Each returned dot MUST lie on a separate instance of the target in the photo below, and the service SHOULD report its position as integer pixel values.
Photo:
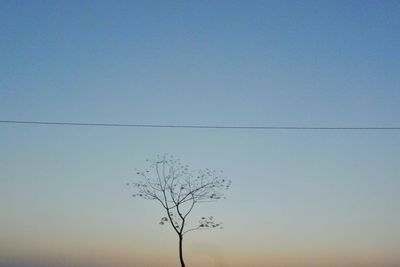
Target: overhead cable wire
(229, 127)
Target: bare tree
(179, 190)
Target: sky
(298, 198)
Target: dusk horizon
(285, 116)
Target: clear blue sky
(298, 198)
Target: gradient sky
(306, 198)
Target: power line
(59, 123)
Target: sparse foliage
(178, 190)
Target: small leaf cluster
(208, 222)
(163, 220)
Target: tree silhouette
(179, 190)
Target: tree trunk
(181, 251)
